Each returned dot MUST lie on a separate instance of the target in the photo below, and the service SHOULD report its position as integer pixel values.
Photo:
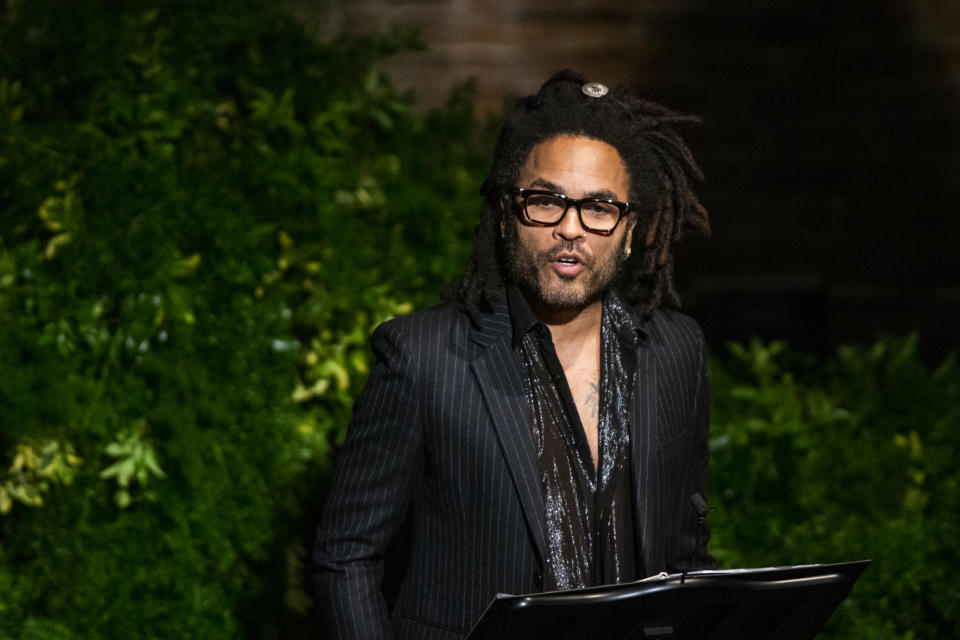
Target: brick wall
(831, 145)
(510, 47)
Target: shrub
(850, 459)
(204, 214)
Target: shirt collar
(627, 323)
(522, 317)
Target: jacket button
(538, 580)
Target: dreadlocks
(658, 161)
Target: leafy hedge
(203, 214)
(854, 458)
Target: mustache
(566, 246)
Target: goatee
(530, 272)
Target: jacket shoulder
(676, 333)
(426, 333)
(668, 321)
(441, 318)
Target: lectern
(773, 603)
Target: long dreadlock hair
(658, 161)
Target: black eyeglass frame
(577, 203)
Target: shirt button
(538, 580)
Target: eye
(599, 209)
(544, 202)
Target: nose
(569, 227)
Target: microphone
(700, 505)
(701, 508)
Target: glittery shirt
(589, 519)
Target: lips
(567, 263)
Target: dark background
(831, 140)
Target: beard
(531, 272)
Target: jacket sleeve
(692, 543)
(376, 467)
(701, 457)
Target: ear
(631, 223)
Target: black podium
(774, 603)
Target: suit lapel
(498, 371)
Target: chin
(567, 296)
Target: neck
(571, 325)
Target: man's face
(566, 267)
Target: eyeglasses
(596, 214)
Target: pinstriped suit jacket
(443, 429)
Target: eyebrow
(603, 194)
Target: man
(547, 430)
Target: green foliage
(856, 458)
(203, 214)
(35, 468)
